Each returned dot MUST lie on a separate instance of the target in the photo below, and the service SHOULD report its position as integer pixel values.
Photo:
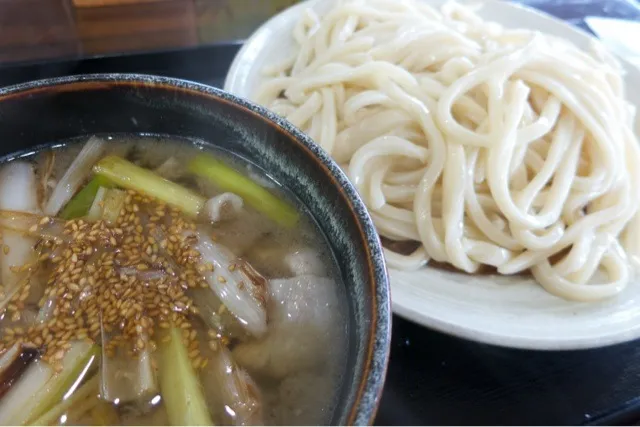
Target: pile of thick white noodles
(489, 146)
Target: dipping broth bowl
(40, 113)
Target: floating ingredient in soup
(229, 180)
(181, 389)
(130, 302)
(299, 326)
(235, 391)
(17, 192)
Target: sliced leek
(180, 387)
(127, 175)
(227, 179)
(81, 203)
(87, 391)
(40, 388)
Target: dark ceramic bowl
(47, 111)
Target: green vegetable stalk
(61, 384)
(107, 205)
(127, 175)
(88, 390)
(181, 390)
(79, 205)
(227, 179)
(40, 388)
(112, 204)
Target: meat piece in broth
(234, 390)
(285, 259)
(235, 234)
(170, 169)
(305, 261)
(302, 312)
(223, 207)
(297, 397)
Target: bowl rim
(378, 341)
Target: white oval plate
(508, 311)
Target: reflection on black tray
(442, 380)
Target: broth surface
(158, 270)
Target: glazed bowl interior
(46, 112)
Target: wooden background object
(99, 3)
(47, 29)
(34, 29)
(223, 20)
(165, 24)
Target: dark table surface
(434, 378)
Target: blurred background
(34, 30)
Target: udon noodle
(488, 146)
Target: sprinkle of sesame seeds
(92, 293)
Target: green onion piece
(113, 203)
(88, 390)
(127, 175)
(181, 390)
(95, 211)
(79, 205)
(227, 179)
(63, 383)
(126, 378)
(107, 205)
(40, 388)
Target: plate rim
(492, 337)
(510, 340)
